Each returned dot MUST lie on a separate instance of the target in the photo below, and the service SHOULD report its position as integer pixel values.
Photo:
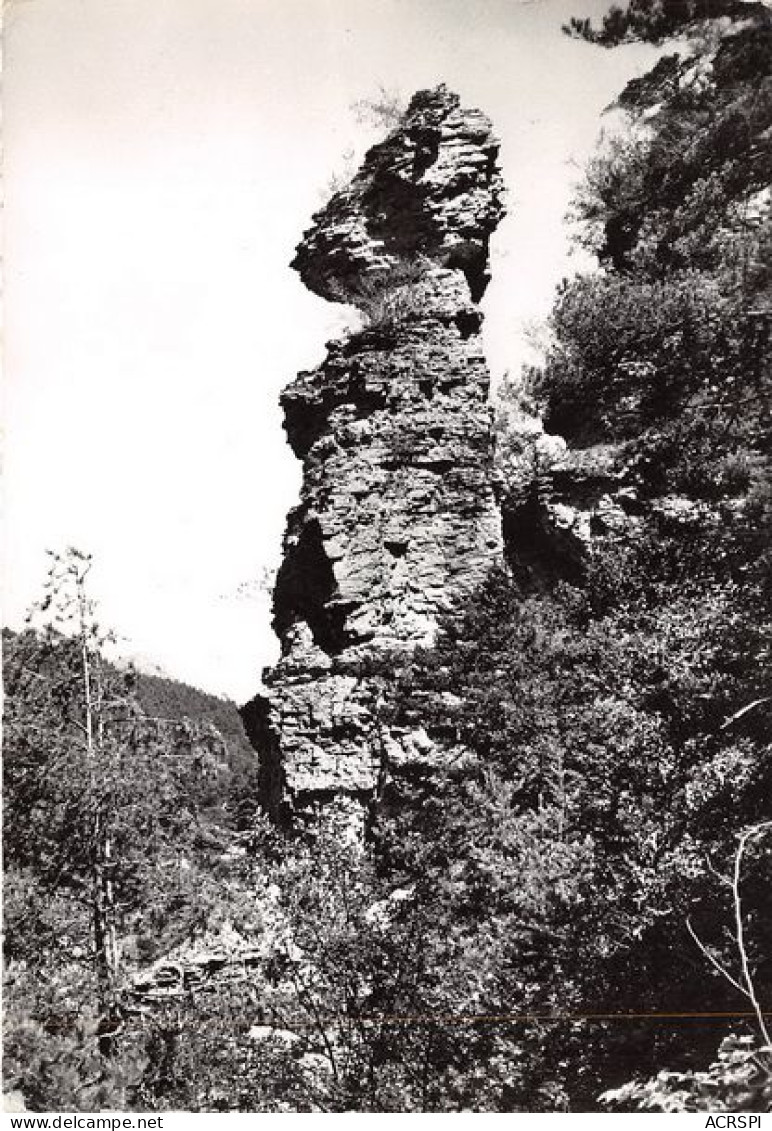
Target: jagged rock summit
(432, 188)
(397, 521)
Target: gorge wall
(397, 519)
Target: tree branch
(714, 962)
(739, 929)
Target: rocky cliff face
(397, 519)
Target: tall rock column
(397, 520)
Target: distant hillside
(168, 698)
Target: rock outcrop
(559, 503)
(397, 520)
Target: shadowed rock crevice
(306, 589)
(271, 783)
(397, 521)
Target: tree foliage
(653, 21)
(101, 824)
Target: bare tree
(744, 982)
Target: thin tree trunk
(747, 977)
(106, 953)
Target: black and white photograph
(387, 574)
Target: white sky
(162, 160)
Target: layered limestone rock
(397, 522)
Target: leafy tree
(99, 815)
(737, 1080)
(653, 21)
